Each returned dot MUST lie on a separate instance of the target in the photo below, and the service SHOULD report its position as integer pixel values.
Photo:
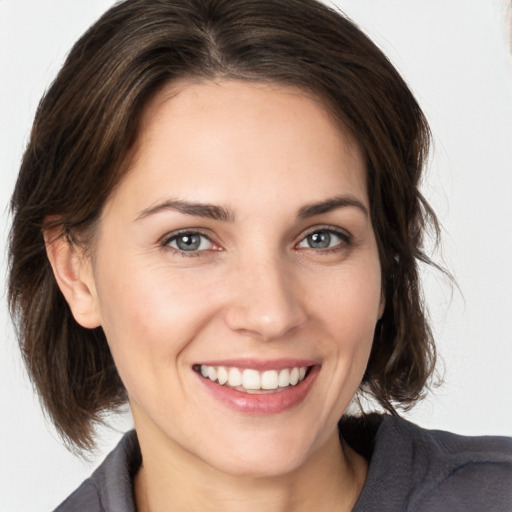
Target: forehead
(212, 140)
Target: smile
(249, 380)
(256, 387)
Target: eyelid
(173, 235)
(343, 234)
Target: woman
(218, 219)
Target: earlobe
(73, 272)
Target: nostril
(263, 319)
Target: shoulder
(422, 470)
(86, 499)
(463, 473)
(110, 486)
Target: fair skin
(239, 240)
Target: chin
(261, 456)
(260, 467)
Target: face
(236, 275)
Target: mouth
(252, 381)
(262, 390)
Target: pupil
(188, 242)
(319, 240)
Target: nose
(265, 302)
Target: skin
(255, 289)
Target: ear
(73, 272)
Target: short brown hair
(88, 120)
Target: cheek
(150, 317)
(349, 312)
(350, 304)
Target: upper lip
(261, 364)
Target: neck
(331, 479)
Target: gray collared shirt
(411, 469)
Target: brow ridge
(330, 204)
(221, 213)
(206, 210)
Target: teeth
(270, 379)
(235, 377)
(252, 380)
(212, 373)
(222, 375)
(284, 378)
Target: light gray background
(455, 55)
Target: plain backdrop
(456, 57)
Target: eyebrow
(209, 211)
(215, 212)
(330, 204)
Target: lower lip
(265, 403)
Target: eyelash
(167, 240)
(345, 237)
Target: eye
(189, 241)
(323, 239)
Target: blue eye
(189, 242)
(323, 239)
